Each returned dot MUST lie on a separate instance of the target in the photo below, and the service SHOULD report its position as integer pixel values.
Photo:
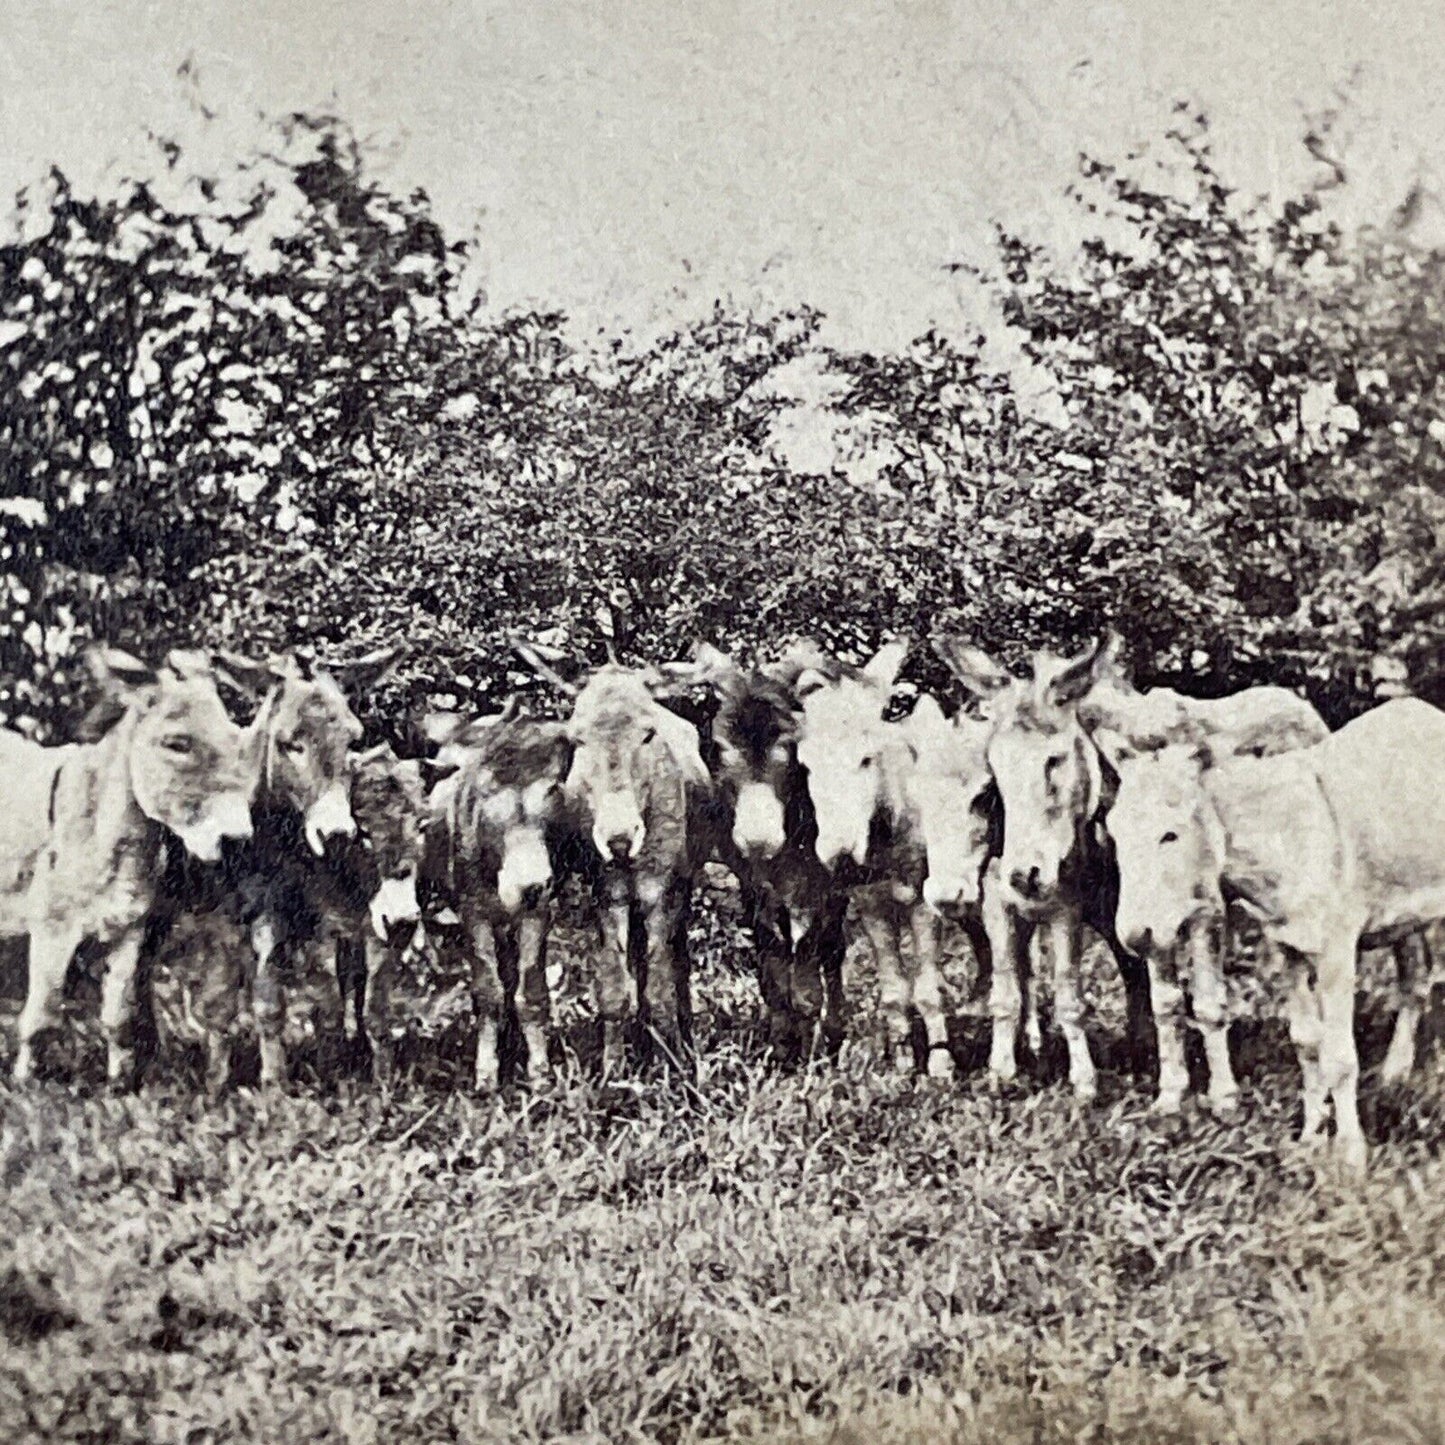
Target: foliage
(255, 408)
(1243, 466)
(203, 373)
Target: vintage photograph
(722, 721)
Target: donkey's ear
(559, 762)
(927, 712)
(1204, 753)
(809, 682)
(672, 679)
(716, 669)
(436, 770)
(1116, 747)
(1076, 676)
(190, 662)
(1113, 651)
(532, 656)
(440, 726)
(801, 657)
(712, 659)
(365, 672)
(119, 672)
(972, 666)
(883, 667)
(249, 677)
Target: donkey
(868, 838)
(365, 895)
(1056, 870)
(82, 854)
(955, 811)
(1128, 725)
(498, 823)
(345, 919)
(303, 733)
(643, 797)
(1335, 846)
(794, 906)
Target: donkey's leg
(268, 996)
(1412, 966)
(489, 1003)
(1059, 938)
(666, 982)
(1339, 1058)
(1140, 1008)
(1211, 1011)
(1031, 981)
(375, 1009)
(880, 925)
(117, 1007)
(1005, 1002)
(927, 987)
(775, 983)
(534, 998)
(1168, 999)
(218, 996)
(1306, 1032)
(332, 968)
(828, 940)
(613, 984)
(50, 952)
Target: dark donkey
(304, 734)
(1056, 871)
(643, 798)
(794, 906)
(365, 897)
(497, 826)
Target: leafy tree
(1243, 465)
(199, 386)
(254, 407)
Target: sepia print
(721, 721)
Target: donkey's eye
(866, 762)
(648, 736)
(178, 743)
(294, 746)
(1170, 837)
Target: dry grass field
(823, 1255)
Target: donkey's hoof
(940, 1067)
(1223, 1106)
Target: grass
(830, 1254)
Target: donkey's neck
(97, 821)
(897, 848)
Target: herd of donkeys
(1050, 802)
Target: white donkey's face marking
(949, 789)
(841, 745)
(1168, 843)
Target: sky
(630, 161)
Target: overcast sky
(626, 159)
